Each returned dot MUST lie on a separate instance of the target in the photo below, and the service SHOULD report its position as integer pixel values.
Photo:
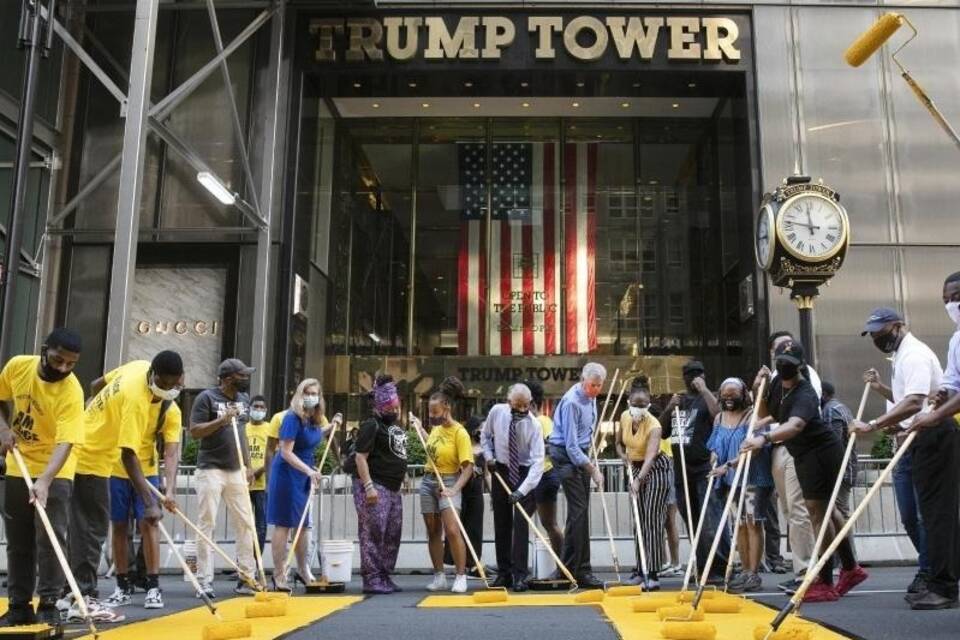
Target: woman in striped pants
(638, 444)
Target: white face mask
(953, 310)
(310, 402)
(164, 394)
(638, 412)
(257, 416)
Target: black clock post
(802, 236)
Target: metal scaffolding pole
(131, 180)
(29, 40)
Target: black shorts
(548, 487)
(817, 471)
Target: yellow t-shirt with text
(257, 445)
(170, 431)
(116, 419)
(44, 414)
(449, 447)
(546, 425)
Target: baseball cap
(693, 366)
(879, 318)
(231, 366)
(790, 352)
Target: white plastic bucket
(337, 560)
(543, 563)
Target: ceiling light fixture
(525, 105)
(356, 85)
(676, 105)
(373, 336)
(217, 188)
(524, 84)
(375, 105)
(468, 84)
(425, 105)
(412, 85)
(476, 105)
(575, 105)
(625, 105)
(581, 84)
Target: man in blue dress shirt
(573, 423)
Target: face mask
(310, 402)
(638, 413)
(519, 415)
(241, 385)
(733, 404)
(389, 417)
(787, 370)
(257, 416)
(887, 343)
(953, 310)
(164, 394)
(48, 373)
(436, 421)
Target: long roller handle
(695, 542)
(249, 510)
(55, 543)
(686, 495)
(186, 569)
(636, 522)
(851, 442)
(603, 411)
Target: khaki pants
(212, 485)
(800, 529)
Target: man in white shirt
(512, 442)
(916, 375)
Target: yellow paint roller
(651, 605)
(625, 590)
(585, 597)
(227, 630)
(789, 631)
(688, 631)
(488, 597)
(722, 605)
(271, 609)
(680, 611)
(688, 596)
(270, 596)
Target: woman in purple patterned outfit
(381, 456)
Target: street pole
(804, 295)
(29, 39)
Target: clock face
(811, 226)
(764, 237)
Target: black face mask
(241, 385)
(436, 421)
(389, 418)
(888, 342)
(519, 415)
(48, 373)
(787, 370)
(733, 404)
(688, 380)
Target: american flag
(519, 312)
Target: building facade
(493, 191)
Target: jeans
(89, 525)
(258, 499)
(909, 507)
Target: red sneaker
(849, 579)
(821, 592)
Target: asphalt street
(874, 611)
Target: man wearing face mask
(258, 431)
(690, 427)
(117, 422)
(218, 469)
(512, 442)
(164, 424)
(817, 452)
(43, 417)
(916, 374)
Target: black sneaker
(589, 581)
(790, 586)
(47, 612)
(919, 584)
(931, 601)
(18, 615)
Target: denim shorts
(124, 499)
(430, 500)
(548, 487)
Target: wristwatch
(873, 424)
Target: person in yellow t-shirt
(450, 449)
(549, 486)
(164, 423)
(115, 424)
(258, 433)
(43, 417)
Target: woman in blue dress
(292, 472)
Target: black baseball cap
(879, 318)
(790, 352)
(231, 366)
(693, 366)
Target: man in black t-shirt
(690, 427)
(817, 452)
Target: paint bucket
(543, 563)
(337, 560)
(189, 551)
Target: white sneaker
(64, 603)
(154, 599)
(98, 612)
(439, 583)
(459, 584)
(119, 598)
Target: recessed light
(356, 85)
(599, 135)
(476, 105)
(525, 105)
(375, 105)
(524, 84)
(412, 85)
(676, 105)
(425, 105)
(575, 105)
(573, 126)
(625, 104)
(581, 84)
(692, 85)
(636, 84)
(468, 84)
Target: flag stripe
(549, 250)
